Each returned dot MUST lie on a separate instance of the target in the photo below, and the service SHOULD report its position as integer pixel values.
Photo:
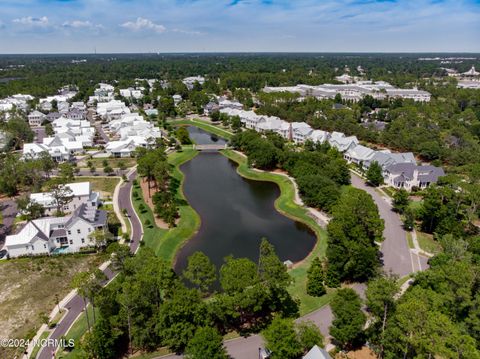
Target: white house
(342, 143)
(81, 194)
(190, 81)
(112, 110)
(317, 353)
(358, 154)
(125, 148)
(36, 118)
(318, 136)
(300, 131)
(52, 235)
(386, 158)
(34, 150)
(409, 175)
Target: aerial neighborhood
(214, 208)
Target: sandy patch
(148, 200)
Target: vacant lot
(104, 185)
(28, 287)
(112, 162)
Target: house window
(45, 246)
(78, 231)
(83, 240)
(71, 242)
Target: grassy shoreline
(166, 242)
(205, 126)
(286, 205)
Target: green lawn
(205, 126)
(427, 243)
(76, 332)
(286, 205)
(410, 240)
(36, 348)
(164, 242)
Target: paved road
(75, 305)
(9, 211)
(397, 256)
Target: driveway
(397, 257)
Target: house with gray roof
(52, 235)
(409, 175)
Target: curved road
(75, 305)
(397, 256)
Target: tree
(381, 303)
(101, 342)
(355, 228)
(315, 279)
(31, 210)
(61, 194)
(201, 272)
(206, 343)
(179, 317)
(183, 136)
(49, 130)
(47, 164)
(349, 320)
(400, 200)
(108, 170)
(309, 335)
(238, 274)
(281, 339)
(100, 237)
(66, 172)
(270, 268)
(374, 174)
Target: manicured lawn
(36, 348)
(164, 242)
(427, 243)
(410, 240)
(286, 205)
(104, 185)
(28, 288)
(206, 126)
(76, 332)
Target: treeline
(148, 306)
(154, 167)
(44, 75)
(319, 171)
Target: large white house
(409, 175)
(52, 235)
(354, 91)
(36, 118)
(81, 194)
(190, 81)
(112, 110)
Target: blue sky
(73, 26)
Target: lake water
(235, 212)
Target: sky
(126, 26)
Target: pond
(236, 213)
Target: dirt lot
(28, 287)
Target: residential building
(385, 158)
(409, 175)
(52, 235)
(317, 353)
(76, 114)
(358, 154)
(34, 150)
(177, 99)
(81, 194)
(36, 118)
(112, 110)
(190, 81)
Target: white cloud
(144, 24)
(32, 21)
(187, 32)
(79, 24)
